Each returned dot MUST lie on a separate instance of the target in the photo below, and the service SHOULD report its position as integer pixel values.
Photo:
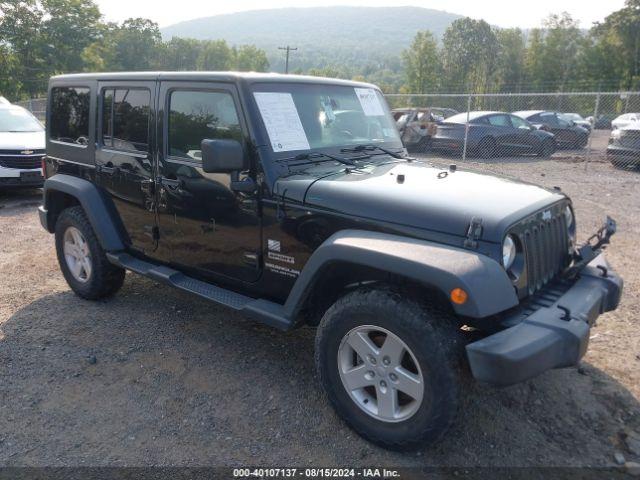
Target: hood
(429, 198)
(22, 141)
(632, 126)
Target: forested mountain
(401, 49)
(355, 36)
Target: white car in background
(22, 148)
(624, 120)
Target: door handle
(171, 184)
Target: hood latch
(474, 232)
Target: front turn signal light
(459, 296)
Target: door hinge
(474, 232)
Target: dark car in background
(624, 146)
(492, 134)
(601, 122)
(418, 125)
(568, 134)
(577, 119)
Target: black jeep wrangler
(292, 200)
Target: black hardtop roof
(248, 77)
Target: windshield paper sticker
(370, 102)
(282, 121)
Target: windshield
(302, 117)
(17, 119)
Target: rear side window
(195, 116)
(70, 115)
(125, 118)
(499, 121)
(550, 119)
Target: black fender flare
(443, 267)
(97, 209)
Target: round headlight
(508, 252)
(568, 216)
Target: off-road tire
(106, 279)
(429, 331)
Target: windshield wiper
(317, 157)
(370, 147)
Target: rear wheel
(82, 260)
(424, 144)
(547, 148)
(581, 141)
(487, 148)
(389, 367)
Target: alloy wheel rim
(380, 373)
(77, 255)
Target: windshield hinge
(474, 232)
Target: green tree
(215, 55)
(21, 31)
(135, 45)
(68, 28)
(562, 45)
(9, 88)
(249, 58)
(469, 48)
(509, 73)
(534, 60)
(422, 63)
(179, 54)
(619, 35)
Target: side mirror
(222, 156)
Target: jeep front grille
(546, 250)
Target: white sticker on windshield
(370, 102)
(282, 121)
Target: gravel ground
(157, 377)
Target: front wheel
(390, 367)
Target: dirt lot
(156, 377)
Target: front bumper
(447, 144)
(552, 337)
(623, 153)
(14, 178)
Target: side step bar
(261, 310)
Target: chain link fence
(586, 127)
(37, 106)
(589, 127)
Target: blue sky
(505, 13)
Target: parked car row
(492, 133)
